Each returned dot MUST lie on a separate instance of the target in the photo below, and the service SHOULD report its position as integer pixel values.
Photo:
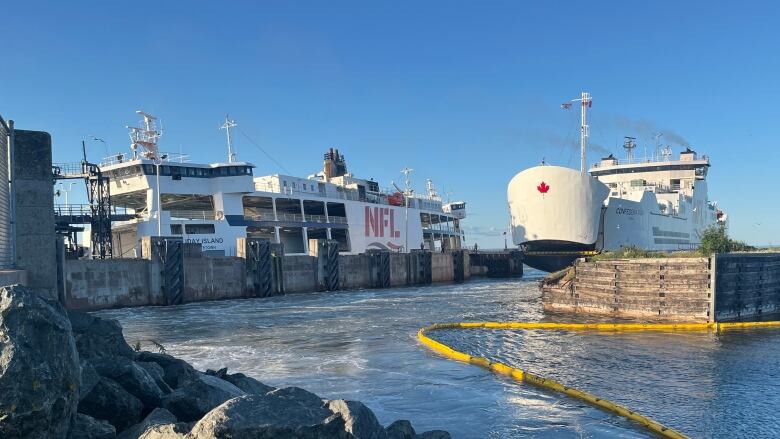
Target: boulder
(110, 402)
(87, 427)
(197, 396)
(290, 412)
(157, 373)
(359, 420)
(167, 431)
(39, 366)
(89, 377)
(158, 416)
(400, 429)
(174, 369)
(248, 384)
(97, 337)
(433, 434)
(132, 377)
(217, 373)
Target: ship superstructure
(652, 203)
(213, 204)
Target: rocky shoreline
(72, 375)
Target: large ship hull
(555, 214)
(559, 214)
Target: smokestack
(327, 166)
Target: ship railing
(297, 217)
(124, 157)
(86, 210)
(644, 160)
(206, 215)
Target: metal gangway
(98, 213)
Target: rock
(132, 377)
(87, 427)
(196, 397)
(248, 384)
(97, 337)
(400, 429)
(156, 371)
(433, 434)
(167, 431)
(291, 412)
(359, 420)
(39, 366)
(174, 370)
(89, 377)
(158, 416)
(217, 373)
(110, 402)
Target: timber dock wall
(725, 287)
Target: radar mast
(146, 137)
(227, 126)
(587, 102)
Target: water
(361, 345)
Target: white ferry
(213, 204)
(559, 214)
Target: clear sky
(466, 93)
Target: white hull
(558, 213)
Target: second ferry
(213, 204)
(559, 214)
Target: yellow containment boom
(548, 383)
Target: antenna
(407, 179)
(666, 153)
(146, 136)
(587, 102)
(657, 137)
(629, 146)
(227, 126)
(431, 190)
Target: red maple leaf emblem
(543, 187)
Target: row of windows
(193, 229)
(306, 187)
(182, 171)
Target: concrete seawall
(99, 284)
(725, 287)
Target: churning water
(361, 345)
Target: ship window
(175, 229)
(285, 183)
(232, 170)
(165, 170)
(199, 229)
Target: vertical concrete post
(167, 252)
(60, 246)
(712, 312)
(259, 276)
(327, 254)
(33, 204)
(277, 268)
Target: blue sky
(466, 93)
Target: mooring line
(548, 383)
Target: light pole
(407, 172)
(70, 188)
(157, 162)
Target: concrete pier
(261, 269)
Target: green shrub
(716, 240)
